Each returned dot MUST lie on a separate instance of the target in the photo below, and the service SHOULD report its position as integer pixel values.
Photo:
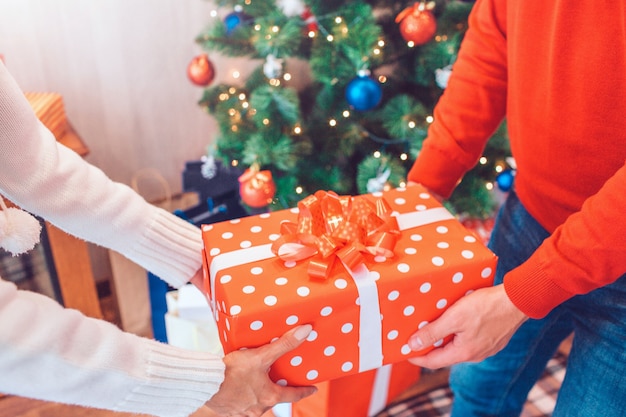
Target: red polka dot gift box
(364, 271)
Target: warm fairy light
(346, 113)
(297, 130)
(232, 90)
(234, 163)
(266, 122)
(245, 104)
(299, 190)
(242, 96)
(268, 37)
(234, 128)
(376, 154)
(213, 13)
(402, 184)
(404, 156)
(275, 29)
(381, 43)
(412, 124)
(330, 38)
(236, 74)
(252, 112)
(338, 19)
(376, 51)
(482, 160)
(489, 186)
(275, 82)
(257, 27)
(382, 79)
(499, 168)
(332, 122)
(410, 44)
(232, 112)
(344, 30)
(429, 119)
(224, 97)
(287, 76)
(311, 34)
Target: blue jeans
(595, 381)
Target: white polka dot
(375, 275)
(405, 349)
(442, 303)
(469, 292)
(442, 229)
(303, 291)
(274, 236)
(424, 196)
(347, 366)
(270, 300)
(281, 281)
(341, 283)
(400, 201)
(256, 229)
(422, 324)
(214, 251)
(329, 351)
(207, 227)
(282, 382)
(392, 335)
(296, 361)
(377, 194)
(264, 215)
(245, 244)
(235, 221)
(290, 264)
(357, 301)
(294, 210)
(249, 289)
(408, 310)
(256, 325)
(425, 287)
(469, 239)
(225, 279)
(404, 268)
(291, 320)
(437, 261)
(227, 235)
(312, 375)
(234, 310)
(393, 295)
(347, 328)
(467, 254)
(312, 336)
(443, 245)
(458, 277)
(416, 238)
(486, 273)
(257, 270)
(420, 207)
(379, 258)
(326, 311)
(410, 251)
(438, 343)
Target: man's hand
(247, 389)
(480, 324)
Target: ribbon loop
(330, 226)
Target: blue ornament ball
(363, 93)
(235, 19)
(505, 180)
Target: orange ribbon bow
(331, 226)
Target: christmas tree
(376, 70)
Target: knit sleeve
(584, 253)
(472, 105)
(56, 354)
(50, 180)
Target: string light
(332, 122)
(489, 186)
(404, 156)
(482, 160)
(287, 76)
(299, 190)
(234, 163)
(297, 130)
(330, 38)
(346, 113)
(236, 74)
(377, 154)
(429, 119)
(311, 34)
(213, 13)
(412, 124)
(266, 122)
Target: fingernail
(415, 343)
(303, 332)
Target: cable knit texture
(51, 353)
(559, 80)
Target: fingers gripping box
(365, 272)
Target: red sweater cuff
(532, 291)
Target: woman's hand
(247, 389)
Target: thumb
(430, 335)
(287, 342)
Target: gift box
(396, 261)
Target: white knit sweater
(51, 353)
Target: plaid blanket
(438, 401)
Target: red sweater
(564, 97)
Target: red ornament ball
(257, 188)
(200, 70)
(417, 24)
